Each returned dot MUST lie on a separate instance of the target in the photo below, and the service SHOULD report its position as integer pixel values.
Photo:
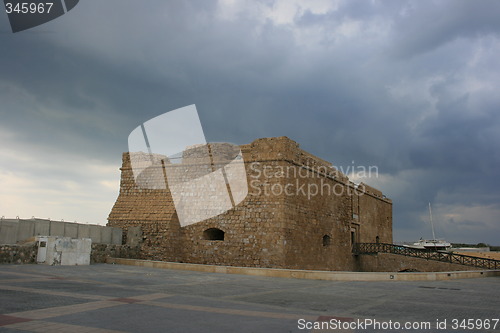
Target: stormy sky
(410, 87)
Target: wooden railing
(444, 256)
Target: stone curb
(309, 274)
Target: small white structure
(54, 250)
(42, 249)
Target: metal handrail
(450, 257)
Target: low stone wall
(495, 255)
(388, 262)
(27, 253)
(18, 254)
(309, 274)
(101, 252)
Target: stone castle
(300, 212)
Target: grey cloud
(94, 82)
(427, 25)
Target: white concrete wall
(67, 251)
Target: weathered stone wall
(298, 214)
(101, 252)
(18, 254)
(388, 262)
(374, 216)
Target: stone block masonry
(102, 252)
(18, 254)
(388, 262)
(300, 213)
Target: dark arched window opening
(377, 239)
(326, 240)
(213, 234)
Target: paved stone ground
(114, 298)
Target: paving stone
(260, 304)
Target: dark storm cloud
(403, 85)
(425, 26)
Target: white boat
(431, 244)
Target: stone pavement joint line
(27, 275)
(51, 327)
(125, 300)
(54, 293)
(23, 280)
(236, 312)
(151, 297)
(153, 300)
(65, 310)
(27, 320)
(30, 320)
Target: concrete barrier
(8, 232)
(56, 228)
(95, 233)
(71, 230)
(307, 274)
(25, 229)
(106, 235)
(83, 231)
(65, 251)
(42, 228)
(16, 230)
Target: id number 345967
(28, 7)
(474, 324)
